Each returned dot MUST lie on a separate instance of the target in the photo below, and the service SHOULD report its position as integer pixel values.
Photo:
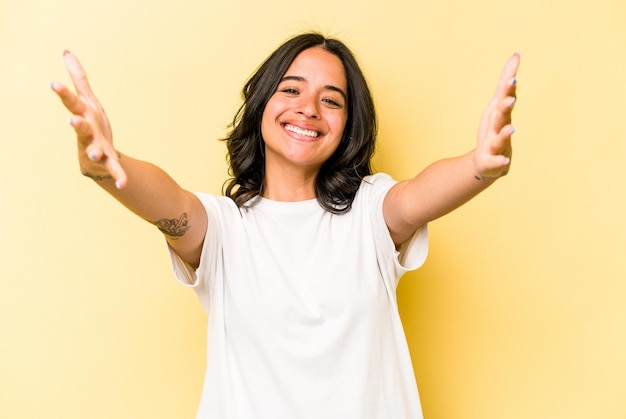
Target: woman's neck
(289, 185)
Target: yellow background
(520, 310)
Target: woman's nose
(308, 107)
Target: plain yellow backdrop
(520, 309)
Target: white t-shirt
(303, 320)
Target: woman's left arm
(449, 183)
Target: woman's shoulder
(377, 181)
(374, 188)
(377, 178)
(218, 204)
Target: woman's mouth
(302, 131)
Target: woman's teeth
(301, 131)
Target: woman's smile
(301, 131)
(304, 120)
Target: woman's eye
(332, 102)
(290, 91)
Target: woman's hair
(340, 176)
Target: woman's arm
(447, 184)
(142, 187)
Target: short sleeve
(201, 279)
(412, 254)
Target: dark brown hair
(340, 176)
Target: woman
(297, 266)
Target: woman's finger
(115, 169)
(508, 81)
(77, 74)
(82, 127)
(501, 143)
(69, 99)
(506, 105)
(497, 166)
(94, 152)
(106, 164)
(502, 113)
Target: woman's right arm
(142, 187)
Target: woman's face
(304, 120)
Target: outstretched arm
(142, 187)
(447, 184)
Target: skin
(303, 123)
(142, 187)
(449, 183)
(303, 100)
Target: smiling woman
(297, 266)
(303, 124)
(339, 177)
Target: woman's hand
(492, 157)
(96, 155)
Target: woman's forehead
(318, 65)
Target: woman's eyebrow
(328, 87)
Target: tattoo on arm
(97, 178)
(175, 228)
